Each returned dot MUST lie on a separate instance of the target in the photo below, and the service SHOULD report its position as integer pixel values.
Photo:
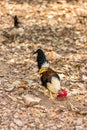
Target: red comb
(62, 94)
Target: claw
(44, 90)
(51, 96)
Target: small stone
(53, 115)
(18, 122)
(24, 127)
(41, 126)
(11, 128)
(31, 100)
(47, 128)
(12, 61)
(16, 115)
(37, 120)
(18, 47)
(79, 121)
(32, 124)
(79, 128)
(54, 128)
(84, 77)
(85, 100)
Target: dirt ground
(60, 29)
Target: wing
(51, 80)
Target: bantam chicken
(17, 30)
(49, 78)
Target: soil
(59, 28)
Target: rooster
(49, 78)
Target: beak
(34, 52)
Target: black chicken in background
(49, 78)
(17, 29)
(16, 21)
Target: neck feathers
(45, 64)
(41, 59)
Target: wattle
(62, 94)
